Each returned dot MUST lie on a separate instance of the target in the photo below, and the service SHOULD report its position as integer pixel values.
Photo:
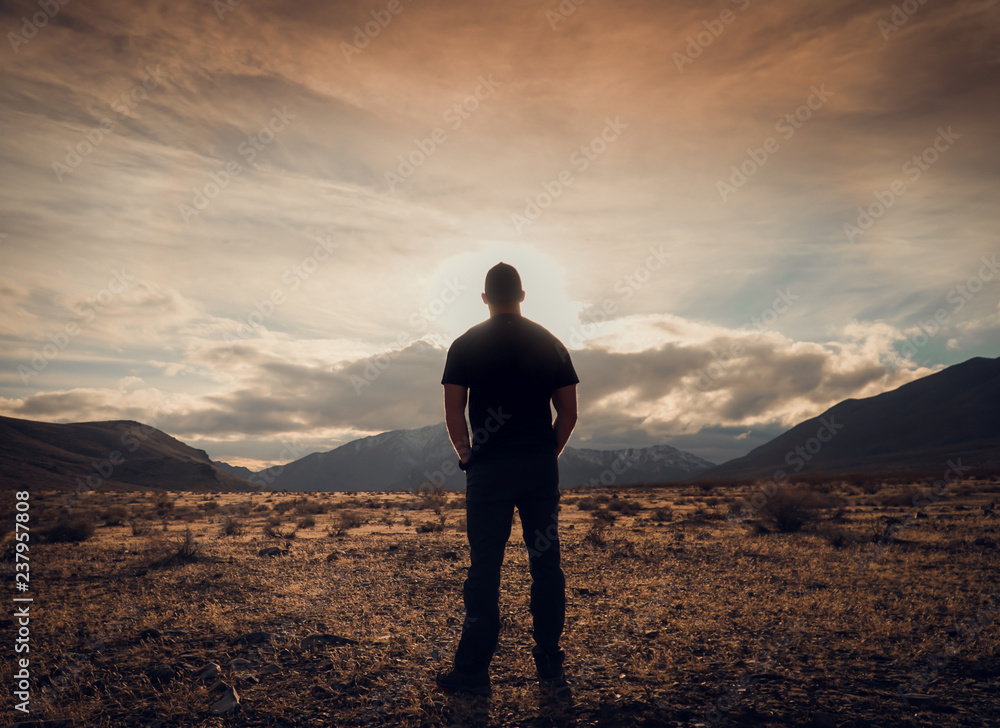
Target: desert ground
(842, 603)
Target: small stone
(269, 551)
(271, 669)
(822, 720)
(230, 700)
(318, 691)
(313, 641)
(239, 664)
(150, 634)
(252, 638)
(159, 674)
(209, 672)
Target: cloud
(697, 379)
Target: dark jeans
(489, 524)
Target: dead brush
(182, 551)
(272, 528)
(788, 510)
(598, 534)
(233, 526)
(140, 527)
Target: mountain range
(946, 416)
(951, 416)
(407, 459)
(115, 454)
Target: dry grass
(676, 614)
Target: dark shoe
(461, 681)
(549, 668)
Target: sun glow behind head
(456, 286)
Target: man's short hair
(503, 284)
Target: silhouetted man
(508, 369)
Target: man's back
(511, 366)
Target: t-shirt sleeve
(455, 366)
(565, 374)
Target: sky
(258, 225)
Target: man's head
(503, 286)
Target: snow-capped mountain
(407, 459)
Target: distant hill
(954, 413)
(115, 454)
(403, 459)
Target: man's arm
(564, 400)
(455, 398)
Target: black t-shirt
(511, 366)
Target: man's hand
(564, 400)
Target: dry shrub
(114, 516)
(903, 498)
(587, 503)
(140, 528)
(209, 506)
(69, 531)
(624, 506)
(836, 536)
(307, 522)
(662, 515)
(598, 534)
(283, 506)
(272, 527)
(431, 527)
(310, 507)
(163, 503)
(348, 520)
(433, 498)
(789, 509)
(233, 526)
(186, 549)
(603, 515)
